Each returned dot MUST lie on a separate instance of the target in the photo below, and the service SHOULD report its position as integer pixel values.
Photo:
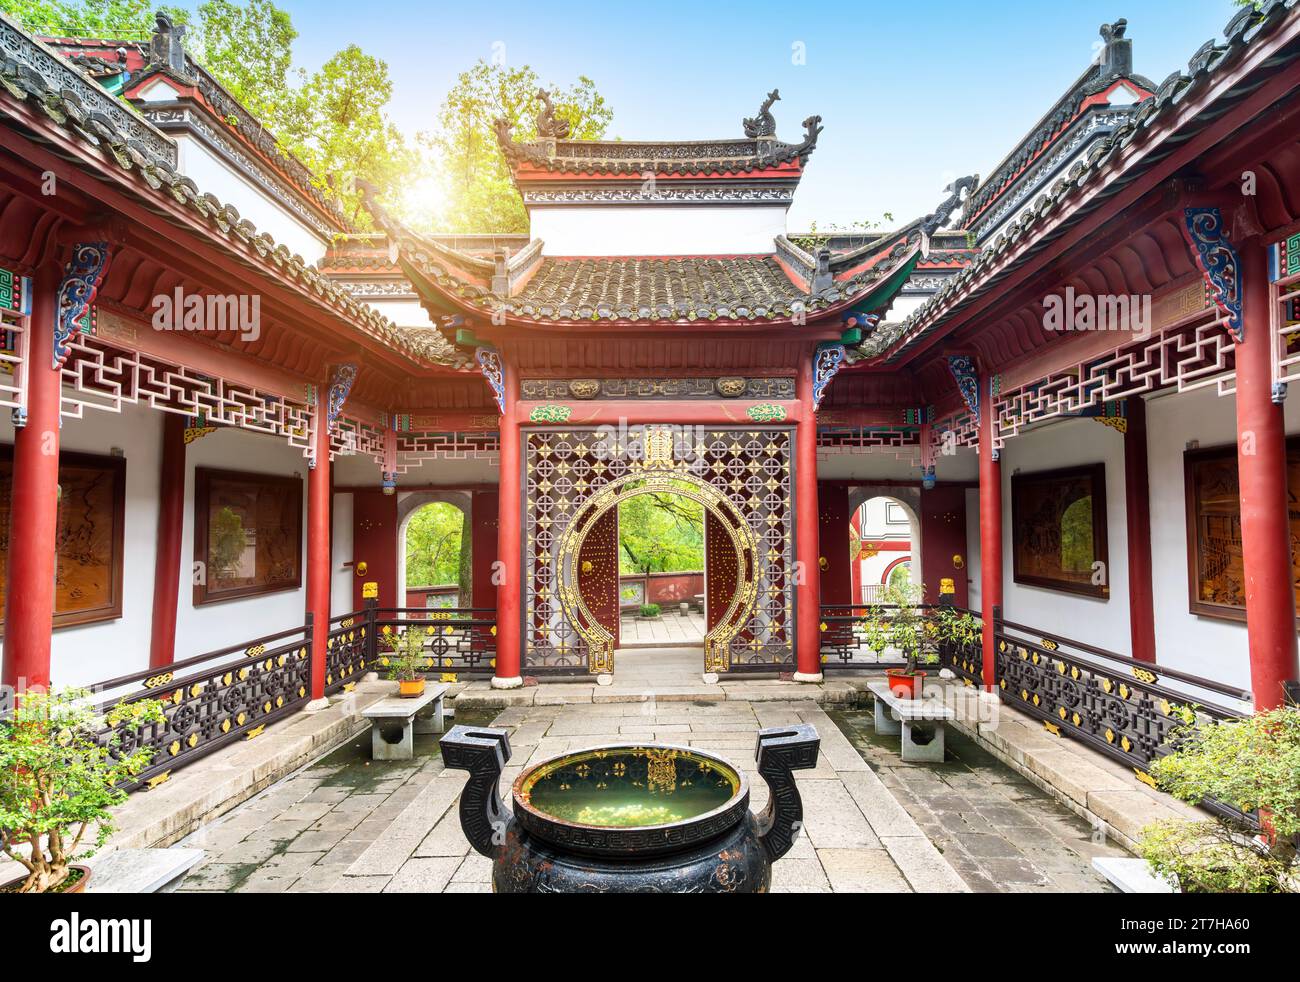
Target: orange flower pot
(903, 685)
(410, 688)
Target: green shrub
(61, 763)
(1252, 764)
(651, 610)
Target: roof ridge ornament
(763, 126)
(550, 126)
(1116, 55)
(958, 191)
(166, 46)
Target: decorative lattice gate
(742, 477)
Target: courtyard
(516, 468)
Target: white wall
(214, 176)
(658, 230)
(90, 653)
(1205, 646)
(1067, 443)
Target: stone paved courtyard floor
(672, 627)
(999, 831)
(345, 823)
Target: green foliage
(436, 544)
(1252, 764)
(333, 120)
(406, 658)
(122, 20)
(660, 533)
(1076, 536)
(875, 632)
(910, 630)
(476, 190)
(57, 781)
(249, 50)
(817, 238)
(651, 610)
(956, 627)
(1211, 857)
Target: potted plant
(407, 661)
(956, 628)
(912, 633)
(1252, 764)
(61, 767)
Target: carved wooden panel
(92, 498)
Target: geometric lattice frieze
(413, 449)
(900, 442)
(13, 360)
(1189, 357)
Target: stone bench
(396, 720)
(920, 722)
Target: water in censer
(626, 787)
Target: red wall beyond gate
(833, 522)
(943, 538)
(374, 542)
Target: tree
(469, 167)
(125, 20)
(434, 539)
(339, 127)
(332, 120)
(660, 533)
(249, 50)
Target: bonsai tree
(910, 631)
(407, 660)
(1252, 764)
(61, 767)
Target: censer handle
(483, 752)
(782, 750)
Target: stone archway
(909, 500)
(573, 605)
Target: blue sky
(911, 94)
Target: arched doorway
(435, 550)
(884, 543)
(593, 519)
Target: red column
(509, 544)
(1261, 463)
(318, 551)
(990, 530)
(1137, 509)
(808, 656)
(167, 559)
(34, 501)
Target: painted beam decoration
(340, 387)
(1218, 262)
(81, 279)
(15, 293)
(489, 363)
(1284, 258)
(968, 381)
(826, 365)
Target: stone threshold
(1100, 790)
(480, 694)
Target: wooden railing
(234, 693)
(213, 699)
(1129, 710)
